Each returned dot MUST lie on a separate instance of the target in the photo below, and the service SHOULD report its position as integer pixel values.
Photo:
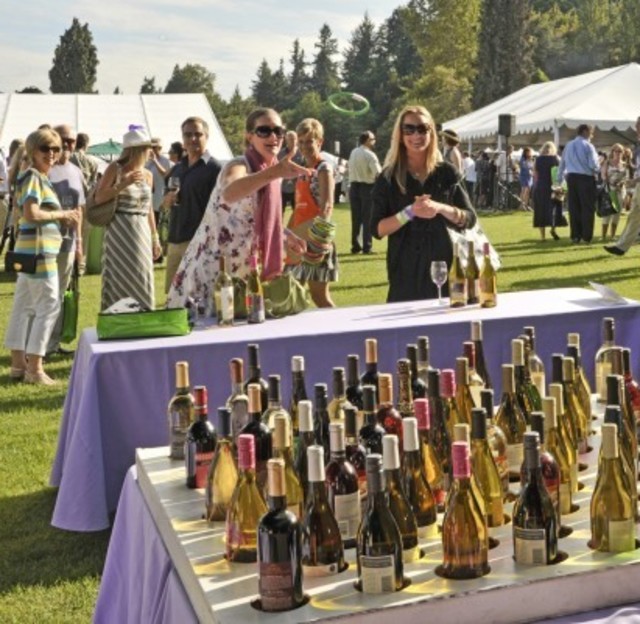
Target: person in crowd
(197, 172)
(579, 166)
(484, 183)
(131, 240)
(470, 175)
(85, 162)
(543, 207)
(416, 198)
(614, 174)
(526, 177)
(289, 186)
(36, 302)
(159, 166)
(176, 152)
(364, 168)
(627, 157)
(506, 167)
(243, 217)
(68, 182)
(314, 198)
(451, 152)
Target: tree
(359, 59)
(261, 87)
(30, 89)
(325, 79)
(75, 61)
(298, 78)
(192, 78)
(117, 91)
(148, 86)
(232, 118)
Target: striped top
(45, 238)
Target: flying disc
(352, 104)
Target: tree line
(450, 56)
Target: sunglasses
(409, 129)
(264, 132)
(45, 149)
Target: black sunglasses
(409, 129)
(264, 132)
(45, 149)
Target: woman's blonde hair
(135, 156)
(38, 138)
(617, 147)
(19, 163)
(310, 126)
(395, 162)
(548, 149)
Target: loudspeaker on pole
(506, 125)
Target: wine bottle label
(622, 535)
(275, 585)
(574, 478)
(347, 512)
(203, 462)
(320, 570)
(458, 291)
(411, 555)
(565, 498)
(603, 369)
(378, 574)
(428, 531)
(530, 546)
(239, 416)
(176, 447)
(226, 304)
(515, 457)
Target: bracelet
(155, 237)
(405, 215)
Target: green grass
(47, 575)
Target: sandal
(17, 374)
(39, 379)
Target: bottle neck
(202, 415)
(283, 453)
(276, 503)
(372, 368)
(318, 491)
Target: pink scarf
(267, 219)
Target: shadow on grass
(35, 553)
(603, 277)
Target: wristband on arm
(405, 215)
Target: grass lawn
(47, 575)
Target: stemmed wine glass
(174, 185)
(439, 274)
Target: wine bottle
(464, 400)
(307, 438)
(370, 375)
(282, 450)
(379, 542)
(423, 358)
(180, 412)
(339, 400)
(631, 424)
(472, 275)
(526, 393)
(275, 408)
(415, 484)
(298, 393)
(632, 387)
(200, 442)
(223, 471)
(223, 295)
(255, 374)
(612, 511)
(398, 502)
(536, 365)
(388, 417)
(511, 419)
(573, 404)
(565, 417)
(548, 463)
(418, 387)
(322, 550)
(448, 399)
(485, 469)
(255, 294)
(533, 390)
(497, 442)
(321, 420)
(582, 385)
(564, 431)
(556, 447)
(535, 530)
(356, 454)
(440, 438)
(342, 487)
(430, 464)
(481, 365)
(238, 401)
(354, 387)
(462, 433)
(476, 383)
(603, 359)
(488, 282)
(261, 434)
(279, 548)
(628, 447)
(457, 281)
(405, 391)
(371, 433)
(465, 538)
(246, 507)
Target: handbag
(149, 324)
(101, 214)
(477, 236)
(70, 308)
(604, 205)
(284, 295)
(20, 262)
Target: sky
(138, 38)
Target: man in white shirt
(469, 171)
(364, 168)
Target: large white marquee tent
(607, 98)
(105, 117)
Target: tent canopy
(106, 117)
(609, 99)
(108, 148)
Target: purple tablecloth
(119, 390)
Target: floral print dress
(226, 229)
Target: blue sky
(138, 38)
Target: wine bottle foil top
(531, 450)
(538, 424)
(423, 416)
(508, 382)
(469, 351)
(254, 355)
(200, 397)
(280, 433)
(616, 360)
(573, 339)
(246, 451)
(608, 328)
(353, 368)
(255, 398)
(613, 389)
(412, 354)
(486, 400)
(236, 369)
(433, 383)
(423, 348)
(557, 392)
(609, 441)
(385, 388)
(550, 414)
(371, 350)
(478, 423)
(390, 452)
(531, 439)
(462, 371)
(336, 437)
(182, 374)
(556, 367)
(305, 415)
(315, 463)
(338, 381)
(350, 421)
(369, 398)
(613, 414)
(626, 361)
(375, 474)
(274, 388)
(461, 459)
(476, 330)
(568, 369)
(275, 477)
(461, 432)
(404, 366)
(297, 364)
(320, 394)
(224, 421)
(410, 434)
(517, 352)
(447, 383)
(530, 331)
(574, 353)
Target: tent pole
(556, 133)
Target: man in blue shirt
(579, 165)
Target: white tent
(105, 117)
(609, 99)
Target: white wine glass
(439, 274)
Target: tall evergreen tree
(325, 79)
(359, 58)
(149, 86)
(192, 78)
(298, 78)
(262, 86)
(75, 61)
